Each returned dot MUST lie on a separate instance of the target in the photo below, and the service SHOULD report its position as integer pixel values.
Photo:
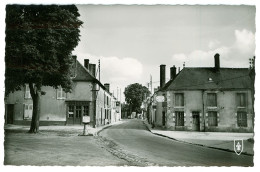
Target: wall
(52, 110)
(226, 109)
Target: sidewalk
(216, 140)
(68, 129)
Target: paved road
(134, 137)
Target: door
(9, 114)
(196, 121)
(163, 118)
(74, 114)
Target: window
(212, 99)
(28, 108)
(242, 119)
(85, 111)
(212, 118)
(78, 112)
(241, 99)
(61, 93)
(179, 119)
(27, 93)
(71, 111)
(179, 99)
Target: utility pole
(117, 93)
(151, 82)
(120, 94)
(99, 69)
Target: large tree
(39, 42)
(134, 95)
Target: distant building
(206, 99)
(89, 97)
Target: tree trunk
(36, 95)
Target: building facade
(207, 99)
(89, 97)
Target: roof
(210, 78)
(82, 74)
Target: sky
(132, 41)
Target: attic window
(210, 80)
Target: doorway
(9, 114)
(163, 118)
(195, 121)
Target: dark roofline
(93, 78)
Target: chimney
(162, 75)
(173, 72)
(217, 63)
(92, 69)
(86, 63)
(107, 86)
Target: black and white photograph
(88, 84)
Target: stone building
(89, 97)
(207, 99)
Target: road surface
(134, 138)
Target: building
(207, 99)
(89, 97)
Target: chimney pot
(162, 75)
(107, 86)
(86, 63)
(217, 62)
(173, 72)
(92, 69)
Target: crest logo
(238, 146)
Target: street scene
(129, 85)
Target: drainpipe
(203, 113)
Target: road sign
(86, 119)
(238, 146)
(160, 98)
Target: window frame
(27, 94)
(238, 98)
(240, 121)
(175, 98)
(62, 93)
(24, 111)
(216, 100)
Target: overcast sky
(132, 41)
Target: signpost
(85, 121)
(160, 98)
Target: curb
(222, 149)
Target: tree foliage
(135, 94)
(39, 42)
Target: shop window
(85, 111)
(71, 111)
(78, 112)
